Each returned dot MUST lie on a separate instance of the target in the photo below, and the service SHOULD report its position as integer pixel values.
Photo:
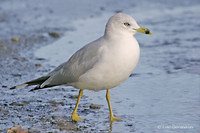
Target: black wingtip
(14, 87)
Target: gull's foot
(75, 117)
(112, 118)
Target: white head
(121, 24)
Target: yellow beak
(144, 30)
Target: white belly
(116, 65)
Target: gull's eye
(127, 24)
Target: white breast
(117, 63)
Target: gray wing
(79, 63)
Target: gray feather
(82, 61)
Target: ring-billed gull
(100, 65)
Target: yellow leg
(112, 118)
(75, 117)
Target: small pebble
(30, 115)
(38, 64)
(54, 34)
(15, 39)
(95, 106)
(130, 125)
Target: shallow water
(163, 95)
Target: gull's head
(122, 24)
